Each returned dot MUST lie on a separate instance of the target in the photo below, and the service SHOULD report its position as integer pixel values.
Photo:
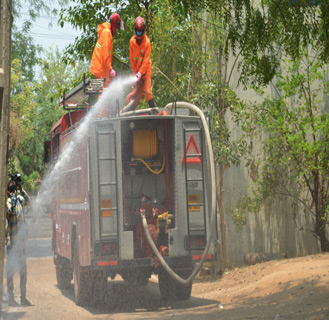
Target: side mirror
(46, 151)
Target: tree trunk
(220, 201)
(5, 50)
(173, 53)
(321, 232)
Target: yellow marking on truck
(106, 204)
(193, 198)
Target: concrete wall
(281, 228)
(278, 229)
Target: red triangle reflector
(191, 143)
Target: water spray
(39, 204)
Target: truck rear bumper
(182, 261)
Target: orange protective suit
(140, 60)
(101, 62)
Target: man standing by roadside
(16, 239)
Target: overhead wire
(52, 36)
(39, 16)
(60, 36)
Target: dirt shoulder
(279, 289)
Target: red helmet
(116, 23)
(139, 27)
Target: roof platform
(76, 98)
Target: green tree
(211, 93)
(23, 45)
(255, 30)
(25, 154)
(22, 106)
(257, 35)
(296, 158)
(54, 77)
(36, 109)
(171, 54)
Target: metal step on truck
(134, 198)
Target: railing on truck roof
(76, 98)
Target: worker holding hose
(101, 62)
(141, 65)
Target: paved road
(38, 248)
(119, 301)
(294, 289)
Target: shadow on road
(12, 315)
(293, 302)
(120, 297)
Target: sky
(47, 36)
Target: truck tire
(82, 283)
(98, 287)
(63, 272)
(172, 290)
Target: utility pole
(5, 63)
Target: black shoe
(12, 303)
(25, 302)
(151, 103)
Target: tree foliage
(257, 32)
(23, 45)
(27, 126)
(210, 91)
(296, 147)
(35, 109)
(37, 8)
(258, 35)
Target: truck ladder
(190, 180)
(110, 209)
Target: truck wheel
(171, 289)
(183, 292)
(63, 272)
(99, 287)
(81, 279)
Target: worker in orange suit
(101, 62)
(141, 64)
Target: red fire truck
(134, 192)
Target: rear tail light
(105, 248)
(195, 242)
